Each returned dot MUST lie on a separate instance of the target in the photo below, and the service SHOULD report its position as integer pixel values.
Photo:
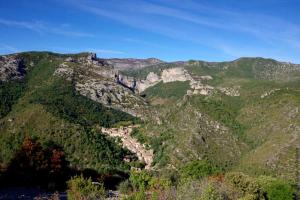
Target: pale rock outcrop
(151, 80)
(207, 78)
(11, 68)
(167, 75)
(268, 93)
(131, 143)
(112, 95)
(99, 81)
(199, 88)
(180, 74)
(234, 92)
(65, 71)
(175, 74)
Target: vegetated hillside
(248, 120)
(47, 107)
(200, 118)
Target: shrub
(197, 169)
(140, 195)
(139, 179)
(35, 164)
(275, 189)
(188, 190)
(279, 191)
(160, 183)
(244, 183)
(210, 193)
(262, 187)
(125, 187)
(10, 92)
(248, 197)
(82, 188)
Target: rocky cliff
(98, 80)
(11, 67)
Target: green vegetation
(34, 164)
(125, 187)
(198, 169)
(155, 143)
(171, 91)
(83, 188)
(210, 193)
(233, 185)
(48, 109)
(261, 187)
(63, 101)
(10, 92)
(205, 147)
(225, 110)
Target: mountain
(132, 63)
(241, 115)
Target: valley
(151, 124)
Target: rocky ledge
(11, 68)
(143, 154)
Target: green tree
(81, 188)
(210, 193)
(276, 189)
(139, 179)
(197, 169)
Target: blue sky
(212, 30)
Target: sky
(211, 30)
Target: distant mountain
(132, 63)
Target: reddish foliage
(217, 178)
(57, 160)
(33, 164)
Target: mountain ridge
(188, 111)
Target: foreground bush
(81, 188)
(263, 187)
(125, 187)
(35, 164)
(276, 189)
(245, 184)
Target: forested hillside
(225, 130)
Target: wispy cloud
(43, 27)
(144, 43)
(94, 50)
(8, 48)
(197, 23)
(34, 26)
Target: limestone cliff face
(11, 68)
(197, 87)
(100, 81)
(175, 74)
(112, 95)
(151, 80)
(167, 75)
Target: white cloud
(78, 50)
(42, 27)
(197, 23)
(8, 48)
